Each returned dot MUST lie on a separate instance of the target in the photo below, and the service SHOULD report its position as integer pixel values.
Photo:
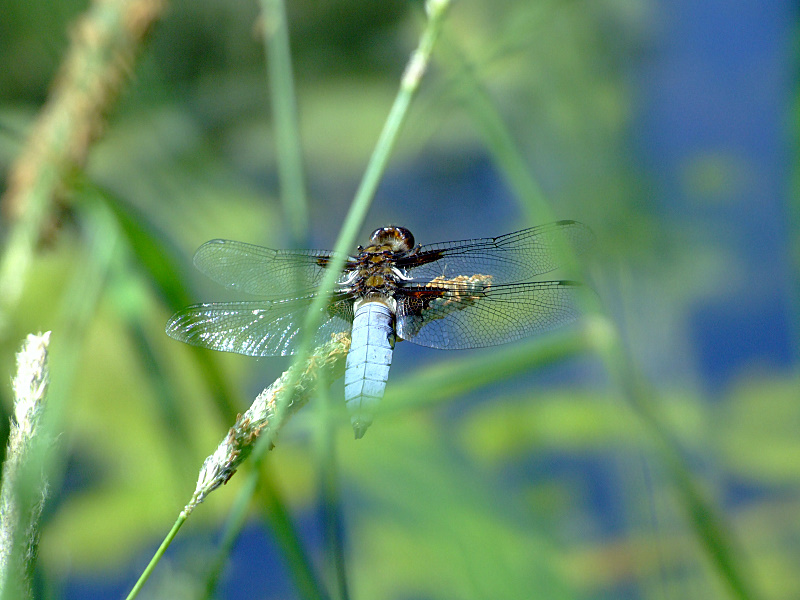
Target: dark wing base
(495, 315)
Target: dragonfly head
(398, 239)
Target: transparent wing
(510, 258)
(260, 328)
(262, 271)
(475, 318)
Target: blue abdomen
(368, 362)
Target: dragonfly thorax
(373, 272)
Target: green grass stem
(709, 525)
(284, 118)
(364, 195)
(705, 519)
(233, 526)
(157, 556)
(259, 484)
(330, 497)
(486, 117)
(275, 512)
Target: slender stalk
(330, 498)
(307, 583)
(498, 138)
(708, 523)
(706, 520)
(409, 84)
(274, 510)
(157, 556)
(233, 526)
(284, 117)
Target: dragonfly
(452, 295)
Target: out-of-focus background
(666, 126)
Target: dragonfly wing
(262, 271)
(496, 314)
(254, 328)
(509, 258)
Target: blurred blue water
(719, 88)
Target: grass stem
(158, 555)
(285, 119)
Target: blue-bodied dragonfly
(452, 295)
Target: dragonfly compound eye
(399, 239)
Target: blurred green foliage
(436, 504)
